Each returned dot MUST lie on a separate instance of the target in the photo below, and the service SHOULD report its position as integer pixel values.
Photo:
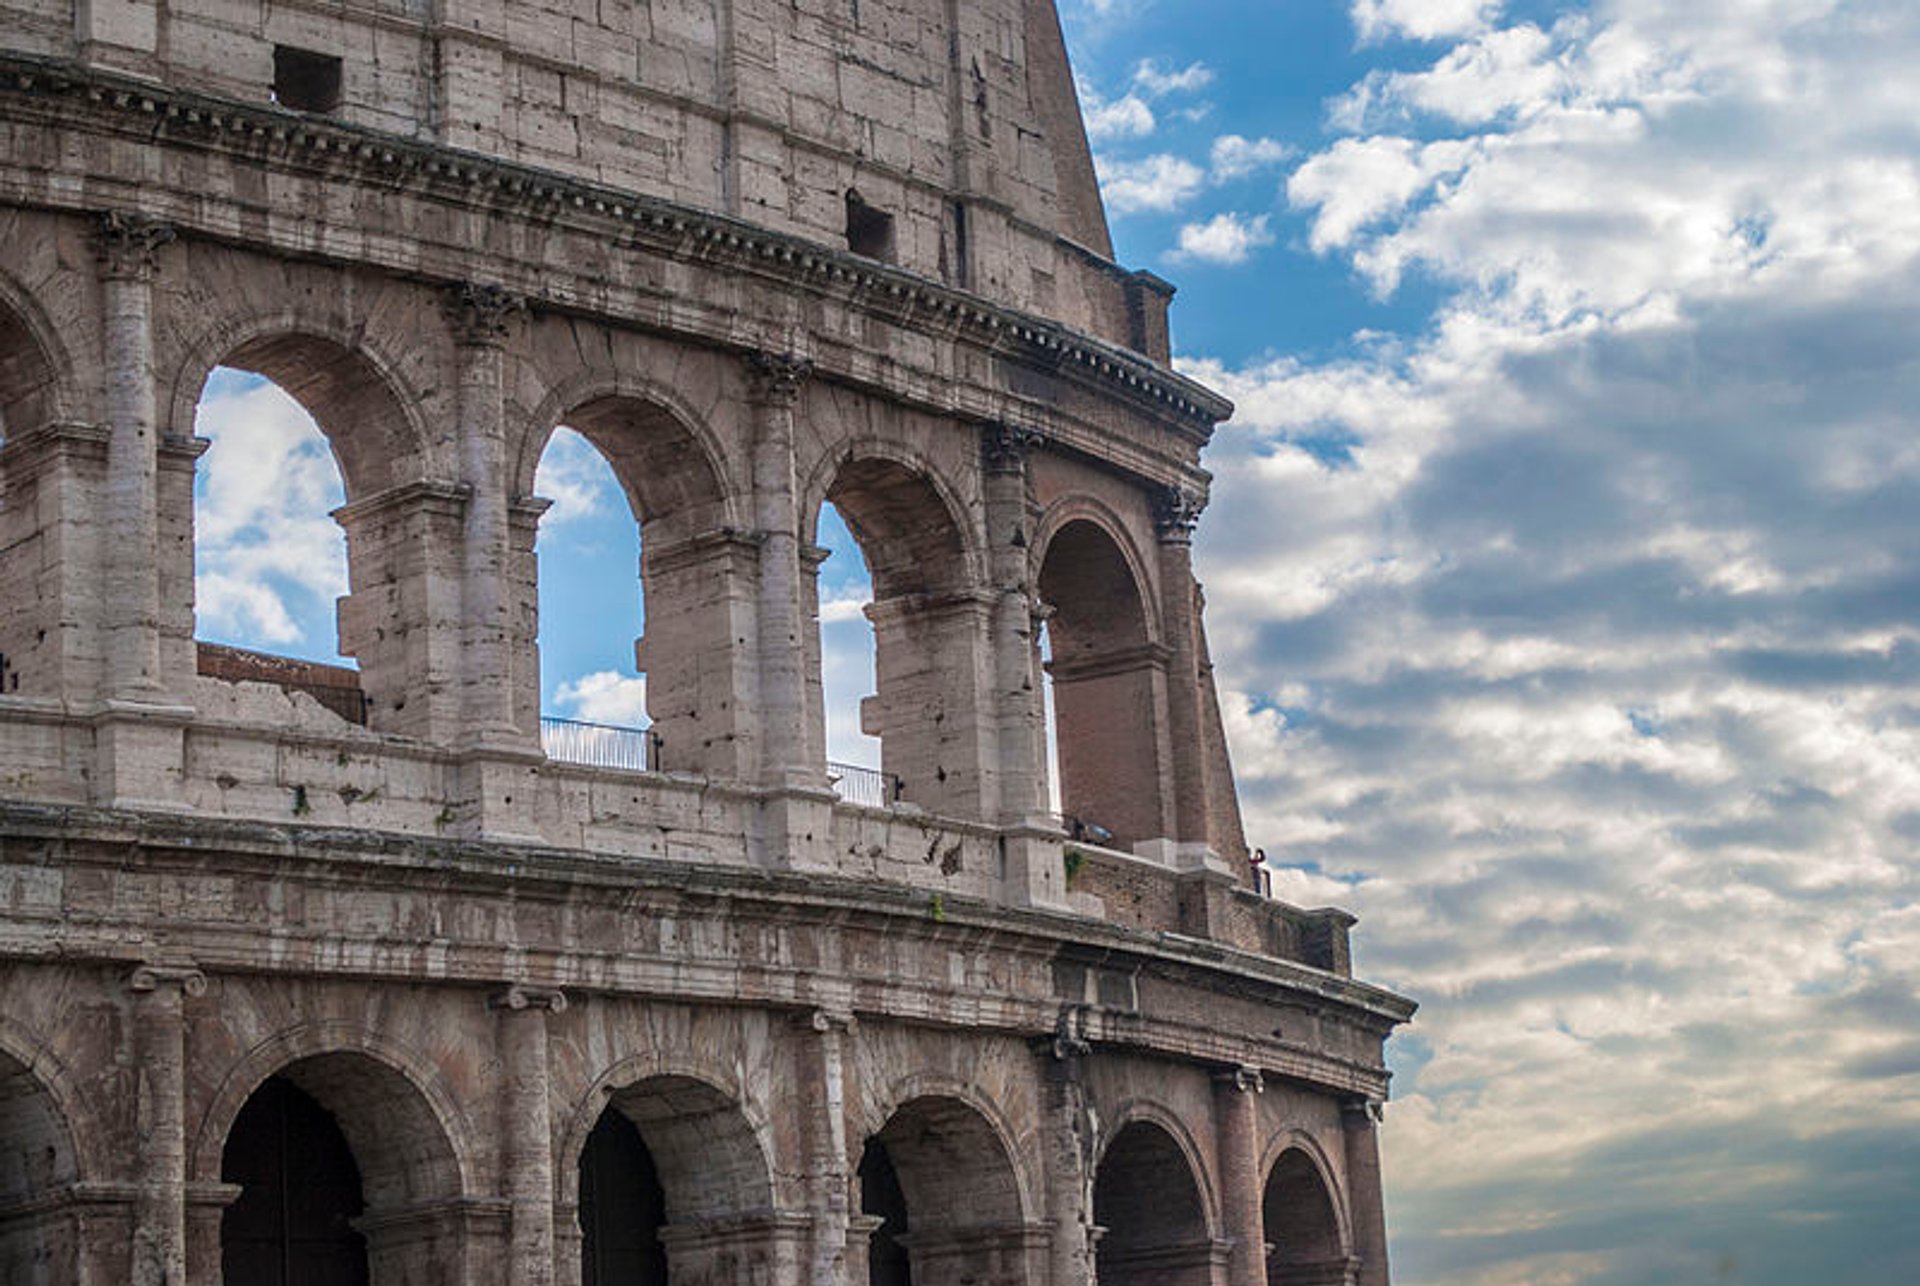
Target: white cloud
(1226, 238)
(605, 697)
(1421, 19)
(1158, 183)
(1128, 117)
(1574, 642)
(1235, 157)
(577, 479)
(269, 561)
(1157, 82)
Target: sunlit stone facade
(346, 968)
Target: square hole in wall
(305, 81)
(869, 229)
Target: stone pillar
(1019, 729)
(1241, 1192)
(127, 249)
(775, 381)
(1068, 1155)
(1176, 511)
(796, 820)
(526, 1129)
(1359, 1125)
(822, 1082)
(481, 318)
(160, 1062)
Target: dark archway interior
(908, 538)
(1145, 1197)
(292, 1224)
(26, 378)
(880, 1196)
(36, 1159)
(622, 1207)
(1299, 1221)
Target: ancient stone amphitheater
(326, 976)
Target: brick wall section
(334, 686)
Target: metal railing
(599, 745)
(868, 787)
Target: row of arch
(338, 1169)
(913, 502)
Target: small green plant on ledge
(1072, 859)
(300, 805)
(937, 909)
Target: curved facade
(362, 970)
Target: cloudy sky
(1563, 572)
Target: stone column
(481, 318)
(1241, 1192)
(527, 1129)
(1176, 512)
(775, 381)
(127, 249)
(1068, 1155)
(824, 1106)
(1017, 702)
(1359, 1124)
(160, 1061)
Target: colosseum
(317, 975)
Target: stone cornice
(353, 154)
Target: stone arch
(42, 1146)
(412, 1180)
(681, 471)
(355, 392)
(1149, 1198)
(1169, 1122)
(1108, 669)
(710, 1151)
(35, 370)
(432, 1116)
(932, 705)
(1303, 1217)
(382, 449)
(696, 572)
(966, 1196)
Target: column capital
(831, 1020)
(1004, 447)
(153, 977)
(1371, 1111)
(777, 377)
(1176, 512)
(1242, 1080)
(482, 315)
(127, 246)
(517, 998)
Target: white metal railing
(599, 745)
(868, 787)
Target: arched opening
(297, 512)
(929, 643)
(32, 628)
(957, 1212)
(842, 599)
(37, 1239)
(1302, 1230)
(660, 661)
(1146, 1200)
(622, 1208)
(1107, 690)
(882, 1199)
(593, 698)
(674, 1187)
(346, 1175)
(293, 1222)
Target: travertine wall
(632, 219)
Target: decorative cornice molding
(348, 153)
